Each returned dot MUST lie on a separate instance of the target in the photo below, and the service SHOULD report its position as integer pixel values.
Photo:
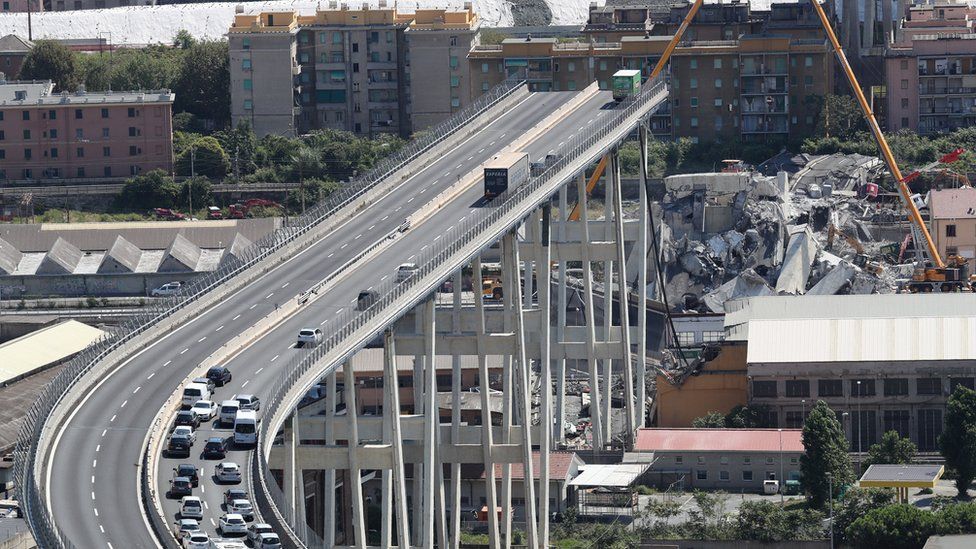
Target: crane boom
(889, 158)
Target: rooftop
(48, 346)
(953, 203)
(562, 466)
(905, 476)
(14, 44)
(719, 440)
(615, 475)
(41, 92)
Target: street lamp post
(782, 479)
(860, 434)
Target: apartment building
(13, 51)
(931, 83)
(64, 5)
(76, 135)
(757, 87)
(349, 69)
(21, 6)
(952, 218)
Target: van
(246, 427)
(193, 393)
(228, 411)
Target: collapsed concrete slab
(834, 281)
(9, 257)
(799, 257)
(62, 258)
(747, 284)
(122, 257)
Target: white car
(168, 289)
(197, 540)
(191, 507)
(186, 430)
(242, 507)
(268, 541)
(228, 472)
(228, 411)
(232, 523)
(186, 527)
(406, 270)
(309, 336)
(204, 409)
(255, 530)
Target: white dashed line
(100, 527)
(424, 248)
(167, 363)
(96, 510)
(322, 323)
(203, 488)
(123, 404)
(398, 209)
(104, 431)
(490, 144)
(447, 173)
(471, 158)
(411, 257)
(275, 358)
(93, 482)
(93, 496)
(330, 255)
(458, 167)
(259, 370)
(201, 339)
(184, 350)
(422, 191)
(269, 295)
(436, 237)
(385, 218)
(151, 376)
(137, 389)
(411, 199)
(205, 506)
(252, 306)
(462, 219)
(481, 151)
(358, 236)
(561, 143)
(245, 384)
(343, 247)
(94, 463)
(384, 278)
(113, 419)
(236, 317)
(98, 449)
(219, 329)
(371, 227)
(109, 546)
(285, 285)
(212, 522)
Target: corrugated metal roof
(9, 257)
(27, 354)
(122, 257)
(617, 475)
(719, 440)
(861, 340)
(903, 473)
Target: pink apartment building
(47, 135)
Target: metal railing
(27, 469)
(352, 327)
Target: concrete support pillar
(418, 472)
(288, 476)
(545, 386)
(561, 319)
(642, 245)
(886, 22)
(507, 388)
(623, 296)
(524, 394)
(391, 408)
(870, 19)
(608, 236)
(355, 472)
(455, 504)
(595, 409)
(328, 507)
(431, 422)
(902, 13)
(301, 519)
(491, 488)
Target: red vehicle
(167, 214)
(240, 211)
(213, 212)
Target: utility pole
(30, 30)
(860, 434)
(193, 175)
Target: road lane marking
(330, 255)
(109, 545)
(219, 329)
(236, 317)
(398, 209)
(411, 199)
(100, 527)
(458, 167)
(322, 323)
(93, 482)
(113, 419)
(205, 506)
(259, 370)
(343, 247)
(98, 449)
(424, 248)
(167, 363)
(269, 295)
(385, 218)
(212, 522)
(104, 431)
(275, 358)
(94, 463)
(201, 339)
(252, 306)
(184, 350)
(245, 384)
(384, 278)
(371, 227)
(93, 496)
(422, 191)
(123, 404)
(96, 510)
(358, 236)
(481, 151)
(470, 158)
(203, 488)
(137, 389)
(285, 285)
(436, 237)
(151, 376)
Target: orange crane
(927, 278)
(661, 63)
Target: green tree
(306, 162)
(766, 521)
(825, 452)
(95, 71)
(900, 526)
(855, 504)
(711, 420)
(240, 145)
(49, 60)
(958, 439)
(153, 189)
(891, 450)
(152, 68)
(202, 84)
(203, 157)
(753, 416)
(839, 116)
(184, 40)
(202, 194)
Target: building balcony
(761, 72)
(296, 69)
(331, 66)
(746, 90)
(780, 110)
(945, 90)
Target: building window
(694, 121)
(708, 336)
(864, 428)
(808, 81)
(571, 85)
(27, 134)
(904, 102)
(685, 338)
(133, 131)
(747, 476)
(455, 81)
(693, 64)
(79, 114)
(862, 387)
(54, 152)
(248, 84)
(718, 82)
(769, 460)
(904, 64)
(701, 460)
(717, 63)
(571, 66)
(484, 68)
(764, 389)
(896, 420)
(246, 64)
(26, 115)
(966, 382)
(246, 43)
(484, 86)
(105, 132)
(794, 419)
(694, 102)
(3, 154)
(54, 133)
(701, 474)
(929, 429)
(808, 61)
(928, 386)
(896, 387)
(80, 152)
(455, 102)
(904, 84)
(104, 113)
(132, 112)
(694, 83)
(133, 150)
(454, 61)
(678, 460)
(80, 172)
(79, 133)
(723, 475)
(28, 154)
(248, 105)
(950, 230)
(106, 151)
(797, 388)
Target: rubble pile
(743, 234)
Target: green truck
(626, 83)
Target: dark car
(234, 493)
(189, 471)
(216, 447)
(366, 299)
(220, 375)
(211, 384)
(187, 417)
(179, 445)
(179, 487)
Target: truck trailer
(626, 83)
(504, 170)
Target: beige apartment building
(349, 69)
(952, 219)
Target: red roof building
(719, 440)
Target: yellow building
(719, 386)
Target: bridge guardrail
(355, 324)
(110, 350)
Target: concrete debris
(740, 234)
